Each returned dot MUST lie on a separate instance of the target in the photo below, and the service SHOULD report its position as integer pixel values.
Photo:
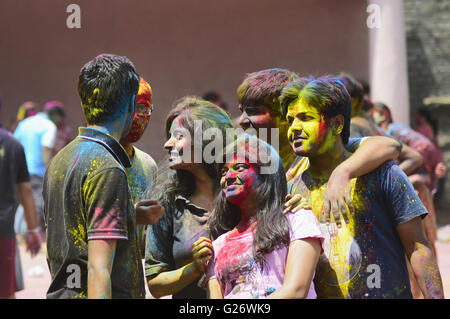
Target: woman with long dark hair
(187, 188)
(259, 251)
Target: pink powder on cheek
(323, 129)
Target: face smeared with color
(143, 111)
(238, 181)
(257, 117)
(179, 146)
(308, 132)
(380, 117)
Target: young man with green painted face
(365, 257)
(92, 241)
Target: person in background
(427, 125)
(215, 98)
(63, 130)
(362, 123)
(37, 135)
(14, 184)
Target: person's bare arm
(372, 153)
(409, 159)
(421, 257)
(170, 282)
(213, 290)
(47, 154)
(33, 239)
(100, 260)
(301, 264)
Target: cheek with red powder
(241, 186)
(138, 127)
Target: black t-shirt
(87, 197)
(13, 170)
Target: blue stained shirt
(365, 258)
(34, 133)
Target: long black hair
(172, 183)
(273, 228)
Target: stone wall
(427, 25)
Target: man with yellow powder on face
(258, 101)
(364, 258)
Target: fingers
(294, 203)
(303, 204)
(349, 204)
(325, 214)
(202, 250)
(202, 242)
(335, 209)
(146, 202)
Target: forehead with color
(301, 106)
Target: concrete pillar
(387, 57)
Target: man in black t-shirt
(93, 250)
(14, 172)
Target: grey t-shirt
(169, 242)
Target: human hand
(148, 212)
(295, 201)
(202, 251)
(33, 242)
(337, 198)
(440, 170)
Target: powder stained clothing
(13, 170)
(169, 242)
(141, 177)
(87, 198)
(365, 258)
(240, 277)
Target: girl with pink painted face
(259, 252)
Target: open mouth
(298, 140)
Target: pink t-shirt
(241, 277)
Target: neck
(129, 149)
(204, 195)
(109, 128)
(286, 153)
(323, 164)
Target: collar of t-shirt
(108, 142)
(182, 202)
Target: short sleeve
(210, 269)
(49, 137)
(353, 143)
(158, 246)
(22, 175)
(401, 198)
(304, 224)
(106, 198)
